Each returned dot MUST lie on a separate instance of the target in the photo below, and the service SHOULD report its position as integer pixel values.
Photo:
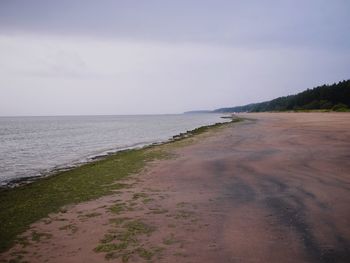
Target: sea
(32, 147)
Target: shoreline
(17, 182)
(21, 181)
(23, 205)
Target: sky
(86, 57)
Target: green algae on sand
(24, 205)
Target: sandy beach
(272, 188)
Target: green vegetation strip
(20, 207)
(24, 205)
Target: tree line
(334, 97)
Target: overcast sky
(144, 57)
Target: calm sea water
(34, 146)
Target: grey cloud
(226, 22)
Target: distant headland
(334, 97)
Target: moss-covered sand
(22, 206)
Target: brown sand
(275, 188)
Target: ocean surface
(37, 146)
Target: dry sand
(275, 188)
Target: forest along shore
(273, 188)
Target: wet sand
(274, 188)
